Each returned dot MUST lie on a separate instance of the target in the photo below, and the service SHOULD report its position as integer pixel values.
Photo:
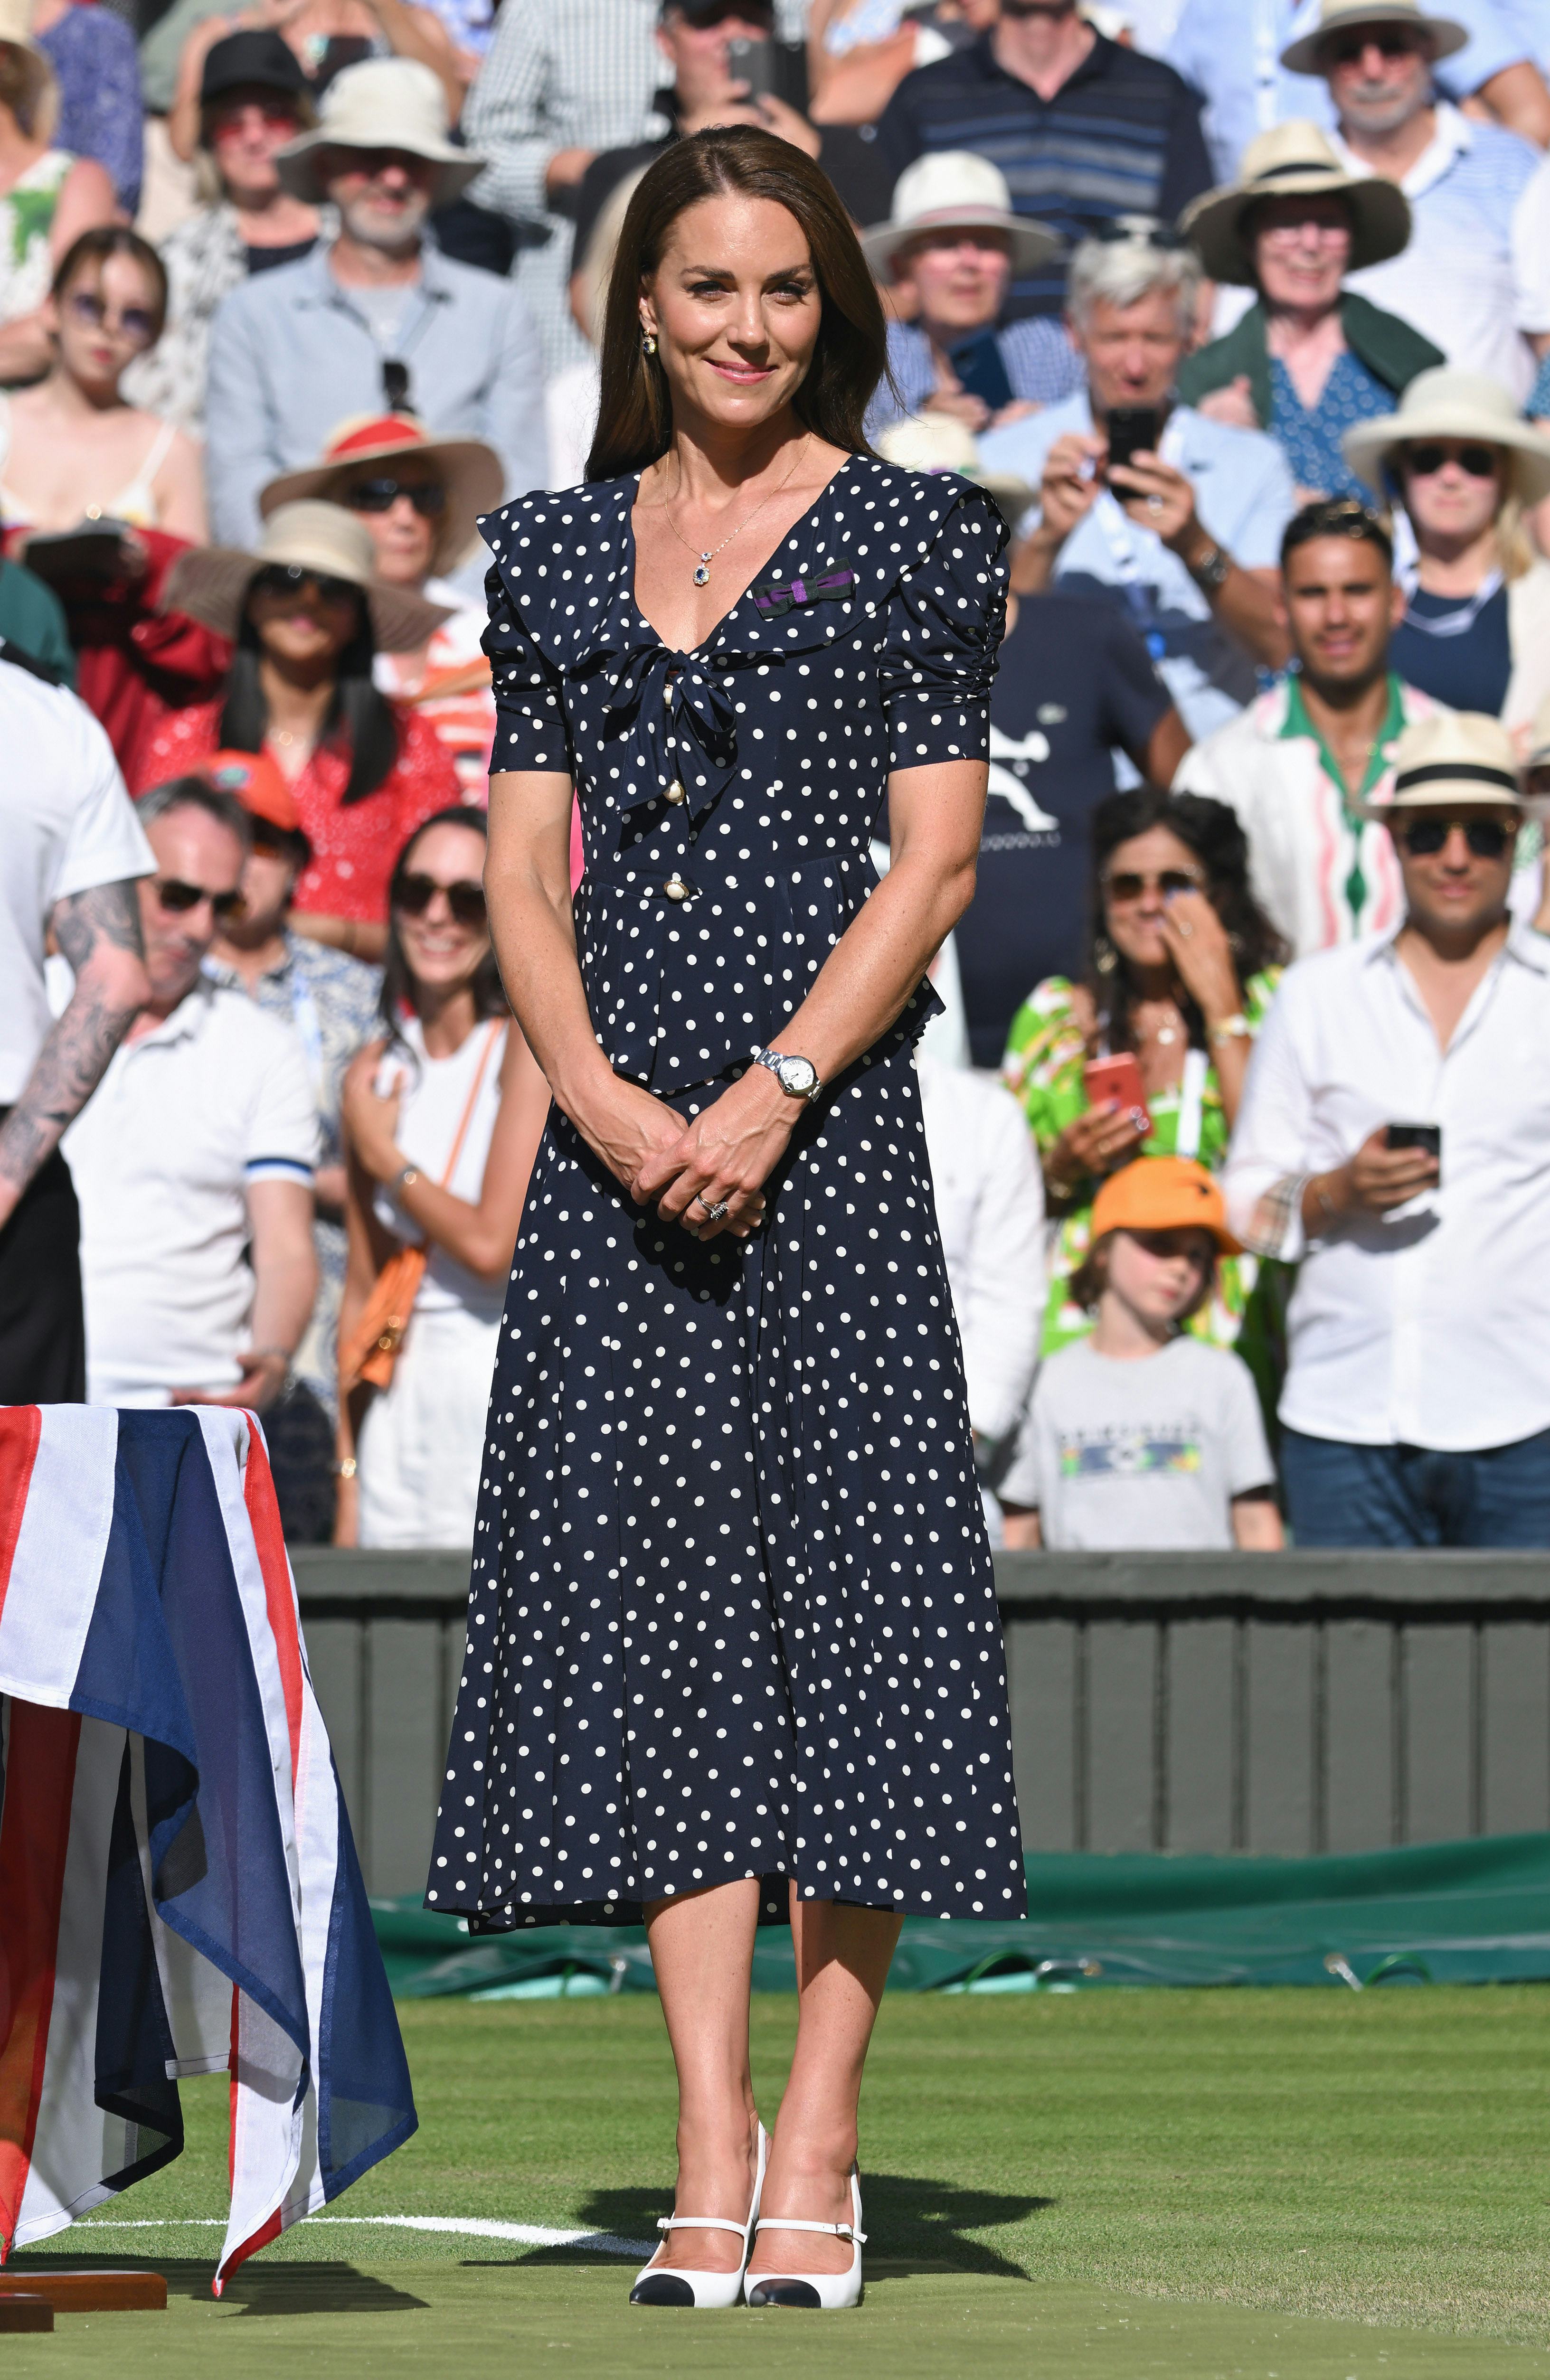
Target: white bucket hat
(210, 582)
(944, 189)
(939, 442)
(1458, 756)
(1345, 16)
(1448, 403)
(381, 103)
(1292, 160)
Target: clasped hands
(1149, 491)
(722, 1159)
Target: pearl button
(676, 889)
(677, 794)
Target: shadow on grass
(257, 2288)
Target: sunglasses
(1392, 43)
(1480, 462)
(1487, 838)
(275, 116)
(136, 326)
(1127, 887)
(290, 578)
(427, 496)
(179, 898)
(414, 895)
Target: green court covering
(1465, 1912)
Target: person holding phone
(1147, 1054)
(1394, 1142)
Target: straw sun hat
(939, 442)
(381, 103)
(1346, 16)
(210, 582)
(1460, 756)
(949, 189)
(1448, 403)
(469, 471)
(1293, 160)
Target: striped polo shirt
(1121, 137)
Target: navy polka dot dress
(732, 1611)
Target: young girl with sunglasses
(442, 1118)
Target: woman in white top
(78, 450)
(442, 1119)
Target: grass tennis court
(1114, 2185)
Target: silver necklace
(708, 554)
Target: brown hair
(1091, 1278)
(635, 417)
(28, 88)
(116, 240)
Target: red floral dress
(353, 849)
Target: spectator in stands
(1394, 1142)
(1464, 469)
(572, 395)
(96, 67)
(949, 253)
(1181, 967)
(1039, 88)
(71, 849)
(1310, 357)
(307, 617)
(33, 620)
(325, 36)
(420, 498)
(1185, 535)
(331, 1003)
(860, 51)
(47, 197)
(1139, 1437)
(443, 1117)
(253, 101)
(194, 1161)
(1461, 280)
(1229, 50)
(377, 320)
(1302, 762)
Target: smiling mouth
(746, 372)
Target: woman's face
(105, 318)
(403, 529)
(1453, 487)
(1139, 879)
(735, 306)
(959, 278)
(1302, 248)
(303, 617)
(244, 129)
(444, 950)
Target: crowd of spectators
(1240, 310)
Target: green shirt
(32, 617)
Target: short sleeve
(1245, 1447)
(530, 731)
(946, 620)
(283, 1120)
(106, 843)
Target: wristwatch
(1231, 1029)
(798, 1077)
(1210, 570)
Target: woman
(419, 498)
(1461, 467)
(731, 1601)
(323, 36)
(1310, 357)
(1182, 967)
(308, 616)
(78, 451)
(442, 1117)
(47, 197)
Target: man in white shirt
(1394, 1141)
(71, 849)
(194, 1165)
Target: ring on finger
(714, 1211)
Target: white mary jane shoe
(657, 2286)
(812, 2289)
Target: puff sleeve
(531, 726)
(946, 620)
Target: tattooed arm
(98, 930)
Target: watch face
(798, 1077)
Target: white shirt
(434, 1095)
(990, 1209)
(184, 1119)
(1431, 1328)
(66, 824)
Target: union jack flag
(179, 1892)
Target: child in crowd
(1143, 1437)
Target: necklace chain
(707, 554)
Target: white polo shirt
(183, 1121)
(66, 824)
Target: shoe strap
(699, 2223)
(790, 2223)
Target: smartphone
(1118, 1078)
(981, 370)
(754, 64)
(1428, 1136)
(1132, 430)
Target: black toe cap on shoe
(779, 2293)
(661, 2288)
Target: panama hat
(1345, 16)
(1448, 403)
(210, 582)
(946, 190)
(1291, 159)
(1459, 756)
(939, 442)
(381, 103)
(469, 471)
(1163, 1193)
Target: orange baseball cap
(1163, 1193)
(255, 779)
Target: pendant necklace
(707, 555)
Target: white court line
(477, 2227)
